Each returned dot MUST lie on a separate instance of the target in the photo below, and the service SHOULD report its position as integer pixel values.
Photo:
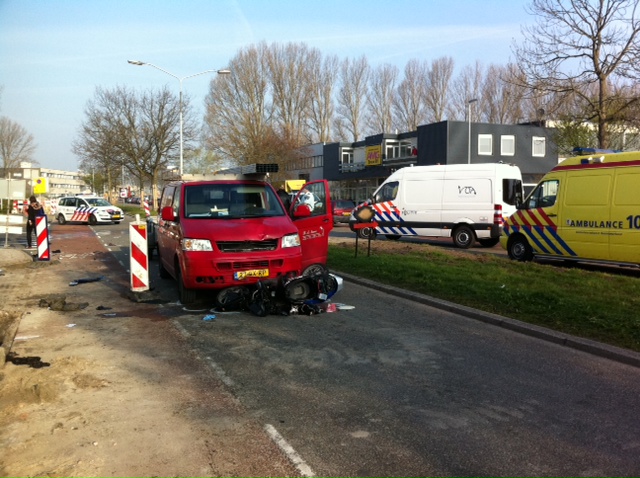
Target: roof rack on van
(256, 171)
(256, 168)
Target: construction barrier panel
(139, 258)
(42, 238)
(147, 211)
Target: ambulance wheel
(463, 237)
(187, 296)
(489, 242)
(519, 249)
(61, 220)
(367, 232)
(92, 220)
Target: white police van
(466, 202)
(92, 210)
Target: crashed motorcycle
(286, 296)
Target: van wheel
(489, 242)
(92, 220)
(519, 249)
(367, 232)
(463, 237)
(393, 237)
(61, 220)
(187, 296)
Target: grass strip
(595, 305)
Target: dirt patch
(116, 393)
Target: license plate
(116, 216)
(346, 214)
(252, 273)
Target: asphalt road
(396, 388)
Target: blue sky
(54, 53)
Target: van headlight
(291, 240)
(196, 245)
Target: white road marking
(181, 329)
(220, 373)
(300, 464)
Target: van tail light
(497, 215)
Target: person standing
(34, 210)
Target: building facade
(58, 183)
(356, 169)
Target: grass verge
(600, 306)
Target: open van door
(311, 213)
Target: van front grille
(247, 246)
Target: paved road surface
(397, 388)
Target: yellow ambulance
(587, 208)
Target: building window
(347, 156)
(507, 145)
(539, 146)
(392, 149)
(485, 144)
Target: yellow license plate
(346, 214)
(252, 273)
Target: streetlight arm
(142, 63)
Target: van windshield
(231, 201)
(386, 192)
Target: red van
(216, 234)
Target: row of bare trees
(577, 64)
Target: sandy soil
(99, 385)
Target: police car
(92, 210)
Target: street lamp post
(220, 72)
(469, 139)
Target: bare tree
(382, 86)
(502, 97)
(290, 69)
(354, 78)
(466, 86)
(139, 133)
(437, 88)
(239, 111)
(410, 99)
(16, 144)
(323, 83)
(576, 45)
(242, 124)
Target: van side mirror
(167, 214)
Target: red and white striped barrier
(139, 258)
(147, 211)
(42, 238)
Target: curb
(617, 354)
